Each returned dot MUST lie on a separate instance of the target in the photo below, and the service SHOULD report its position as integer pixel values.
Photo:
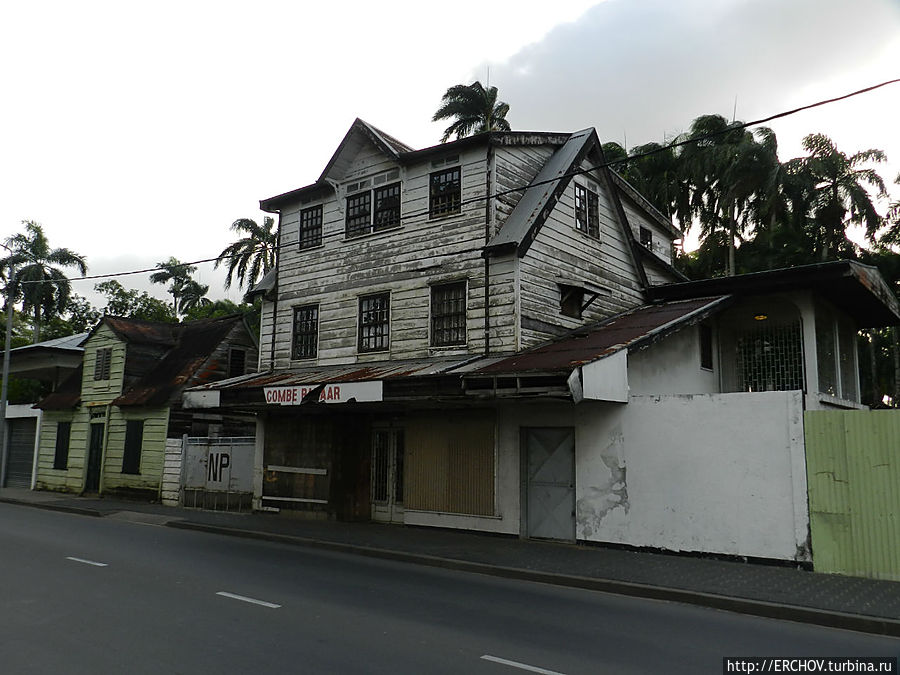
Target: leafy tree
(193, 295)
(250, 257)
(473, 110)
(178, 273)
(838, 189)
(43, 288)
(133, 304)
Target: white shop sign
(338, 392)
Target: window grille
(237, 362)
(311, 227)
(306, 332)
(374, 326)
(448, 314)
(587, 211)
(445, 192)
(770, 358)
(359, 214)
(387, 207)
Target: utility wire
(503, 193)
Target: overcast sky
(138, 131)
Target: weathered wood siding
(153, 448)
(515, 167)
(561, 251)
(103, 391)
(71, 478)
(401, 261)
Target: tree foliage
(178, 275)
(473, 108)
(250, 257)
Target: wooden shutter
(134, 438)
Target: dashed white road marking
(521, 666)
(87, 562)
(270, 605)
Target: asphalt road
(109, 595)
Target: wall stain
(599, 500)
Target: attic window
(587, 211)
(237, 362)
(102, 363)
(373, 210)
(646, 237)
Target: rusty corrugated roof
(355, 372)
(594, 342)
(67, 396)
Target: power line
(503, 193)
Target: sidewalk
(778, 592)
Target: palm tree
(43, 288)
(474, 109)
(193, 295)
(250, 257)
(178, 273)
(839, 194)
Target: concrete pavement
(774, 591)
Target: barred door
(388, 450)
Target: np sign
(338, 392)
(216, 465)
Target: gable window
(646, 237)
(134, 439)
(61, 456)
(374, 209)
(571, 300)
(387, 207)
(706, 347)
(448, 314)
(311, 227)
(374, 322)
(359, 214)
(237, 362)
(305, 342)
(102, 363)
(587, 211)
(444, 192)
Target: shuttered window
(61, 456)
(102, 363)
(134, 439)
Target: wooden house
(104, 430)
(489, 334)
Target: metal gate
(550, 486)
(217, 473)
(387, 475)
(21, 451)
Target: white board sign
(337, 392)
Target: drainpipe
(275, 302)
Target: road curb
(810, 615)
(50, 506)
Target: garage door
(21, 452)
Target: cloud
(645, 68)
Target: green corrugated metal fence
(853, 467)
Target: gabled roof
(857, 289)
(175, 360)
(629, 330)
(540, 197)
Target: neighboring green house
(104, 430)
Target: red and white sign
(338, 392)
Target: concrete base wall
(722, 473)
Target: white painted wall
(721, 473)
(672, 366)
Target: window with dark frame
(646, 237)
(448, 314)
(61, 456)
(359, 214)
(102, 363)
(134, 439)
(311, 227)
(386, 213)
(587, 211)
(445, 192)
(571, 300)
(706, 347)
(305, 341)
(237, 362)
(374, 322)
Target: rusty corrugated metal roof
(67, 396)
(355, 372)
(592, 343)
